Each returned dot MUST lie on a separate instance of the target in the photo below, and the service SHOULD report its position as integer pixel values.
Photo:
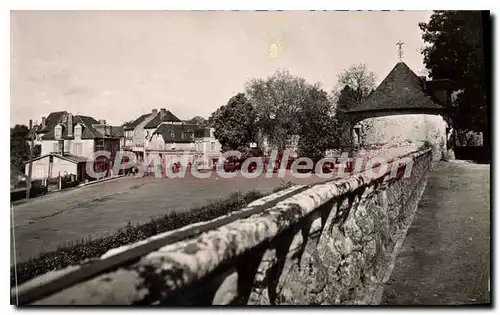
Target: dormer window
(58, 132)
(78, 131)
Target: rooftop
(88, 131)
(136, 122)
(401, 89)
(162, 116)
(176, 133)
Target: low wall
(330, 243)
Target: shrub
(71, 254)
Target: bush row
(92, 248)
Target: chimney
(61, 147)
(154, 111)
(102, 121)
(163, 112)
(423, 79)
(44, 121)
(70, 125)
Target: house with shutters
(136, 136)
(69, 141)
(162, 134)
(206, 145)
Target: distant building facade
(69, 141)
(163, 135)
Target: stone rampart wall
(330, 243)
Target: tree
(19, 147)
(354, 85)
(234, 123)
(359, 79)
(456, 52)
(277, 101)
(341, 121)
(316, 132)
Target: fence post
(30, 165)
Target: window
(77, 148)
(58, 132)
(78, 131)
(357, 134)
(212, 145)
(55, 147)
(129, 134)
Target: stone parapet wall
(330, 243)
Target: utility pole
(30, 167)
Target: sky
(117, 65)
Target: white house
(136, 135)
(69, 142)
(164, 135)
(206, 145)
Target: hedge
(74, 253)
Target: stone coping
(200, 255)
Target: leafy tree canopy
(354, 85)
(277, 101)
(19, 147)
(358, 79)
(316, 132)
(455, 51)
(234, 123)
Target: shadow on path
(445, 259)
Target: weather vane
(400, 50)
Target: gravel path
(445, 259)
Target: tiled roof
(88, 129)
(136, 122)
(176, 133)
(401, 89)
(51, 121)
(67, 156)
(168, 117)
(117, 131)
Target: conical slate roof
(401, 89)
